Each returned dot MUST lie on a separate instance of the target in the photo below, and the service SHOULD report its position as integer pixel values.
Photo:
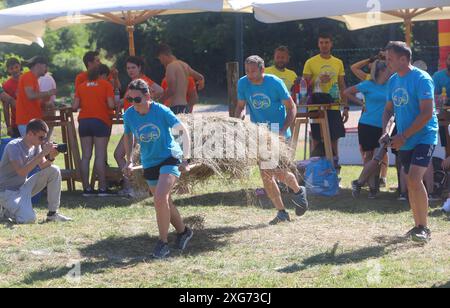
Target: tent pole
(132, 49)
(408, 31)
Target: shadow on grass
(334, 258)
(74, 200)
(127, 252)
(386, 203)
(443, 286)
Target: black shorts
(337, 129)
(169, 166)
(443, 135)
(369, 136)
(93, 128)
(179, 109)
(421, 156)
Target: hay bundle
(228, 148)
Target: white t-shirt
(47, 83)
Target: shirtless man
(177, 74)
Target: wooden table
(318, 116)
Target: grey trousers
(17, 204)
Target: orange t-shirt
(126, 103)
(191, 87)
(26, 109)
(83, 77)
(93, 97)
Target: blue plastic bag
(321, 178)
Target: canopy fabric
(34, 18)
(360, 21)
(273, 11)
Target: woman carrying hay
(151, 125)
(269, 102)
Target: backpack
(321, 178)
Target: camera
(61, 148)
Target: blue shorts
(169, 166)
(93, 128)
(420, 156)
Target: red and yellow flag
(444, 42)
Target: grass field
(340, 242)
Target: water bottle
(117, 101)
(303, 90)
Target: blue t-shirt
(375, 95)
(153, 133)
(406, 93)
(265, 101)
(441, 80)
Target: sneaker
(184, 238)
(282, 216)
(88, 193)
(446, 206)
(421, 235)
(383, 182)
(373, 194)
(356, 189)
(58, 218)
(127, 193)
(301, 202)
(410, 232)
(161, 250)
(402, 197)
(105, 193)
(434, 198)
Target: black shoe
(106, 193)
(356, 189)
(382, 183)
(301, 202)
(88, 193)
(421, 235)
(282, 216)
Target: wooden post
(132, 49)
(232, 81)
(408, 31)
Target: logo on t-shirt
(400, 97)
(327, 70)
(261, 101)
(149, 133)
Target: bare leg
(428, 179)
(119, 155)
(87, 144)
(101, 145)
(272, 189)
(164, 212)
(418, 197)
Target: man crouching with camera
(21, 157)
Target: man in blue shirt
(152, 124)
(442, 81)
(269, 102)
(411, 99)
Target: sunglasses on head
(136, 100)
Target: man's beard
(280, 66)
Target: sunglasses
(136, 100)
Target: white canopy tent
(27, 23)
(357, 14)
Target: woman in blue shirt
(152, 125)
(371, 121)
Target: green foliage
(3, 69)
